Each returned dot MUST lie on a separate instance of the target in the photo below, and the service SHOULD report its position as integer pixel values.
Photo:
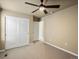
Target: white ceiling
(21, 7)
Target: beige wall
(11, 13)
(60, 28)
(0, 33)
(31, 29)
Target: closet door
(17, 32)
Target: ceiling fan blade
(45, 11)
(31, 4)
(35, 10)
(41, 1)
(52, 6)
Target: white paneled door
(17, 32)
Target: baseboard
(60, 48)
(2, 50)
(16, 47)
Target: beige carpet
(38, 50)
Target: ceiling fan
(42, 6)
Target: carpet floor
(37, 50)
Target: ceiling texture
(20, 6)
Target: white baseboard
(9, 48)
(2, 50)
(61, 48)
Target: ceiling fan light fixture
(41, 8)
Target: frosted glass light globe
(42, 8)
